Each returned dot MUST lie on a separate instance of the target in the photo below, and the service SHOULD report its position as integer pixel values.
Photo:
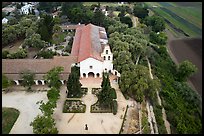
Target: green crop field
(185, 16)
(191, 14)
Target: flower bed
(95, 108)
(74, 106)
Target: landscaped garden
(74, 106)
(106, 96)
(9, 117)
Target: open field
(184, 16)
(191, 14)
(9, 117)
(189, 49)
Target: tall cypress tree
(73, 84)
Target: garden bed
(83, 92)
(95, 108)
(74, 106)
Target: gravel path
(26, 104)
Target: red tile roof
(87, 43)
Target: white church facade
(93, 53)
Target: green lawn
(9, 117)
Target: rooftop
(87, 42)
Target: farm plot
(192, 14)
(179, 24)
(185, 23)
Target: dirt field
(189, 49)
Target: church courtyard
(67, 123)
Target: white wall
(108, 64)
(97, 66)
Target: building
(4, 21)
(90, 51)
(93, 53)
(13, 67)
(8, 9)
(26, 9)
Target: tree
(160, 38)
(33, 41)
(52, 77)
(47, 108)
(28, 79)
(127, 20)
(140, 12)
(135, 82)
(185, 70)
(98, 18)
(156, 22)
(4, 54)
(44, 125)
(105, 96)
(45, 28)
(53, 94)
(46, 54)
(73, 83)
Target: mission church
(90, 51)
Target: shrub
(115, 107)
(46, 54)
(4, 54)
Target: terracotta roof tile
(87, 42)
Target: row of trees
(45, 124)
(182, 104)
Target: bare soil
(189, 49)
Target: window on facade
(104, 58)
(90, 67)
(108, 57)
(106, 51)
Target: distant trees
(68, 48)
(20, 54)
(160, 38)
(140, 11)
(73, 83)
(34, 41)
(45, 27)
(46, 54)
(28, 79)
(48, 6)
(185, 70)
(155, 22)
